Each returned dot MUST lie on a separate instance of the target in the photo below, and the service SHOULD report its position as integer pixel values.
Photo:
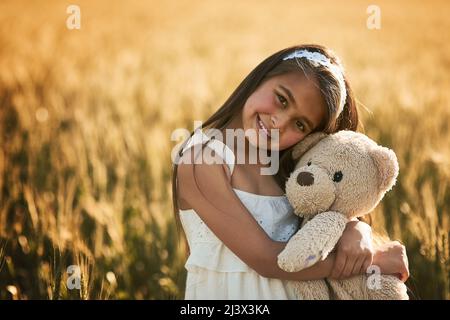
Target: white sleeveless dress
(214, 271)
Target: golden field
(86, 118)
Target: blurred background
(86, 118)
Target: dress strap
(220, 148)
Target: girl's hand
(354, 252)
(391, 258)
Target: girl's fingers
(404, 275)
(357, 268)
(366, 264)
(349, 265)
(339, 265)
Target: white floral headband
(316, 58)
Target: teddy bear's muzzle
(310, 190)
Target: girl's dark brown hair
(272, 66)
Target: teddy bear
(337, 178)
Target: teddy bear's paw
(286, 263)
(293, 258)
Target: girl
(237, 220)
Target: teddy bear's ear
(310, 141)
(387, 165)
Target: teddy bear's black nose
(305, 178)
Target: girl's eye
(309, 163)
(300, 126)
(282, 100)
(337, 176)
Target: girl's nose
(279, 121)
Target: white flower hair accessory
(316, 59)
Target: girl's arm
(206, 188)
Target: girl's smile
(262, 126)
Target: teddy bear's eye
(309, 163)
(337, 176)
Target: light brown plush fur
(338, 177)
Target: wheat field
(86, 118)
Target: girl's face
(291, 103)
